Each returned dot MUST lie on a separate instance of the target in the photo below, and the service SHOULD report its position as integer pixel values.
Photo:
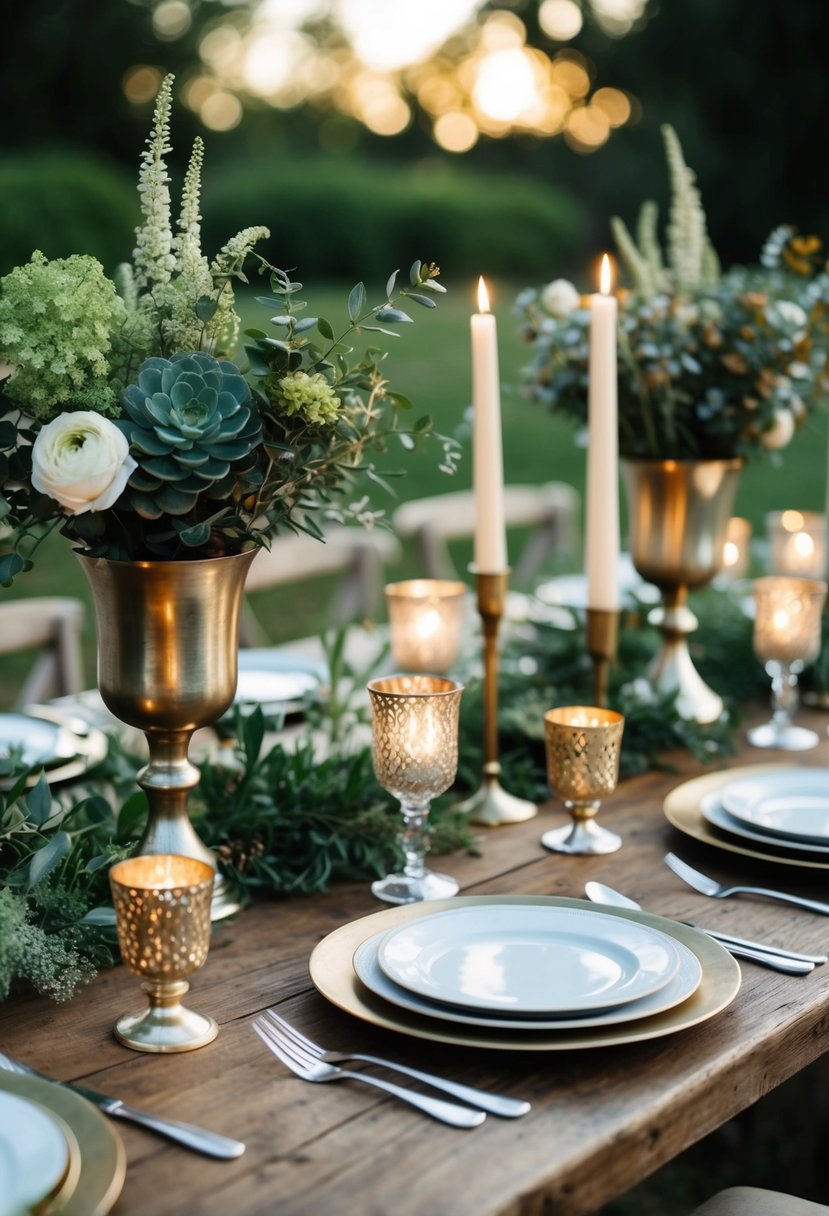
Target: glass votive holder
(162, 914)
(787, 632)
(426, 623)
(736, 550)
(797, 543)
(583, 746)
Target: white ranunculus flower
(780, 433)
(560, 297)
(83, 461)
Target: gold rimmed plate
(332, 973)
(683, 810)
(102, 1157)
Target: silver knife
(210, 1143)
(730, 939)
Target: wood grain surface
(601, 1120)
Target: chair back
(551, 511)
(52, 625)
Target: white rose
(560, 297)
(83, 461)
(791, 313)
(780, 433)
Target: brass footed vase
(678, 511)
(168, 640)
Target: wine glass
(415, 754)
(584, 745)
(787, 626)
(162, 914)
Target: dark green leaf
(424, 423)
(131, 816)
(10, 565)
(51, 855)
(253, 732)
(206, 308)
(102, 917)
(257, 364)
(39, 802)
(97, 863)
(325, 329)
(400, 401)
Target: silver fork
(707, 886)
(496, 1104)
(310, 1068)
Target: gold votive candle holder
(426, 622)
(583, 745)
(798, 543)
(162, 914)
(415, 754)
(787, 633)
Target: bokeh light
(560, 19)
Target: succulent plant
(193, 430)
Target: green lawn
(430, 363)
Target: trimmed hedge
(63, 203)
(337, 219)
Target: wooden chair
(360, 555)
(753, 1201)
(550, 510)
(52, 625)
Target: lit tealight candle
(425, 621)
(797, 543)
(602, 514)
(488, 460)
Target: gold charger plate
(103, 1160)
(332, 974)
(682, 809)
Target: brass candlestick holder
(602, 643)
(162, 913)
(491, 804)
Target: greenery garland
(283, 820)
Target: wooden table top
(602, 1120)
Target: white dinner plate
(715, 813)
(275, 680)
(791, 804)
(34, 1155)
(523, 960)
(570, 590)
(678, 989)
(37, 742)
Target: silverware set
(312, 1062)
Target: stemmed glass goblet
(584, 745)
(787, 625)
(415, 755)
(162, 913)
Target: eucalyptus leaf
(103, 918)
(392, 315)
(39, 802)
(206, 308)
(45, 859)
(418, 299)
(325, 328)
(392, 279)
(356, 301)
(305, 324)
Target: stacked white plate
(65, 749)
(785, 811)
(526, 967)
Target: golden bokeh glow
(455, 132)
(560, 19)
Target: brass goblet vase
(678, 518)
(583, 744)
(162, 913)
(415, 753)
(168, 641)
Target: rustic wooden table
(602, 1120)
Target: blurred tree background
(503, 135)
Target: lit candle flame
(483, 296)
(605, 276)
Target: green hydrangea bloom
(56, 325)
(306, 396)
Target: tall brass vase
(678, 511)
(168, 639)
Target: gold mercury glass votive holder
(426, 622)
(414, 733)
(162, 913)
(584, 745)
(798, 543)
(787, 631)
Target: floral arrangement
(712, 365)
(124, 421)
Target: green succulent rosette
(193, 429)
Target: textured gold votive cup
(415, 755)
(787, 619)
(425, 622)
(798, 543)
(583, 744)
(162, 913)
